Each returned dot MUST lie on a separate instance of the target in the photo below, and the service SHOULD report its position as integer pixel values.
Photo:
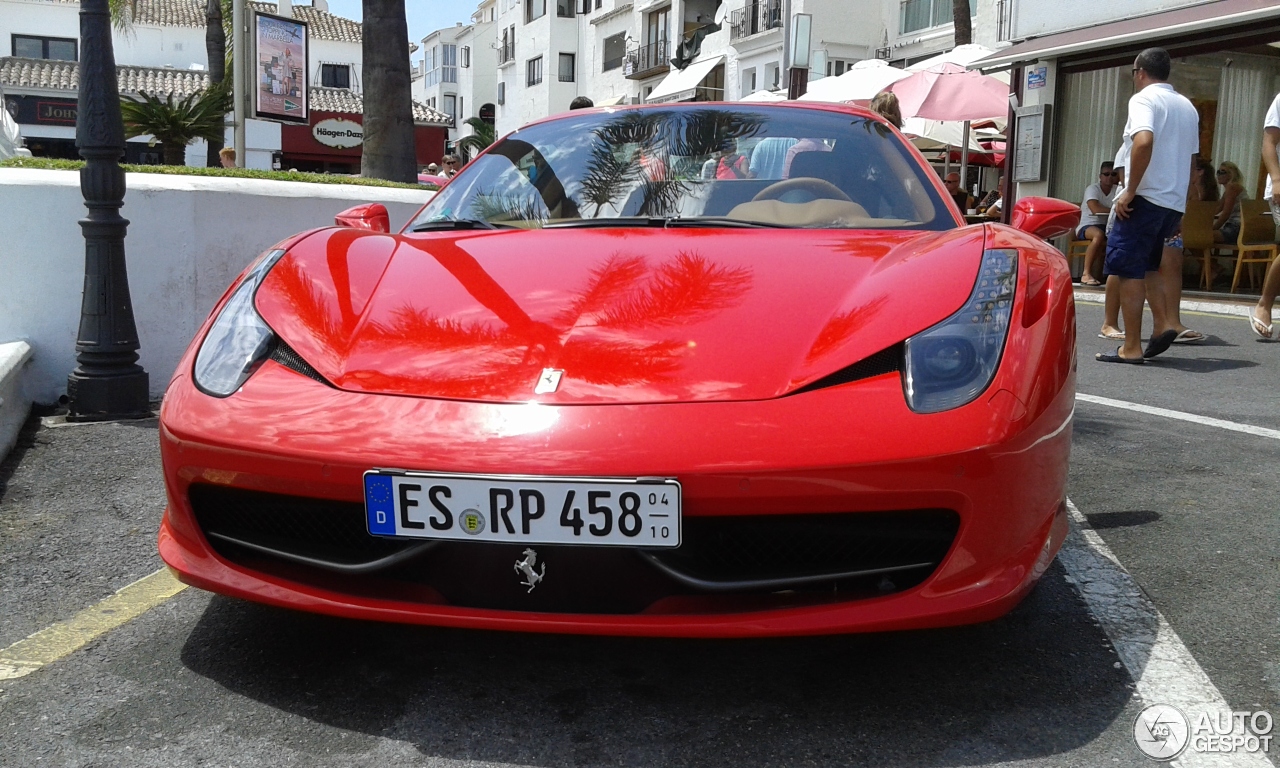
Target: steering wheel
(819, 188)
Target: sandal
(1103, 357)
(1262, 329)
(1189, 336)
(1157, 345)
(1113, 335)
(1091, 282)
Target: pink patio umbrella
(951, 92)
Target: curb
(14, 404)
(1189, 305)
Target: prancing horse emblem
(549, 381)
(525, 566)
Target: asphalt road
(1188, 509)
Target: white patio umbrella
(764, 96)
(860, 83)
(937, 134)
(10, 137)
(940, 135)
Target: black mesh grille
(289, 358)
(583, 579)
(319, 528)
(885, 361)
(795, 546)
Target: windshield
(721, 165)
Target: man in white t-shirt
(1093, 220)
(1161, 137)
(1261, 317)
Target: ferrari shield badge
(525, 566)
(549, 381)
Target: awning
(614, 101)
(1196, 20)
(680, 85)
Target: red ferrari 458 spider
(694, 370)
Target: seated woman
(1226, 225)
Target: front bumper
(849, 449)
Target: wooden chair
(1257, 236)
(1197, 234)
(1076, 250)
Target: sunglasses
(1109, 173)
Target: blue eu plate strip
(378, 505)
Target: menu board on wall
(1029, 142)
(280, 68)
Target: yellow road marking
(65, 637)
(1147, 310)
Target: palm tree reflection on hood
(601, 336)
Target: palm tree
(482, 135)
(122, 13)
(177, 124)
(963, 23)
(388, 151)
(216, 49)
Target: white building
(546, 52)
(1071, 73)
(163, 53)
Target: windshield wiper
(666, 222)
(723, 221)
(441, 224)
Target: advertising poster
(280, 68)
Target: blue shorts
(1135, 244)
(1080, 233)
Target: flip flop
(1114, 335)
(1103, 357)
(1091, 284)
(1189, 337)
(1262, 329)
(1159, 344)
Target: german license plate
(643, 512)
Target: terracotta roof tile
(190, 13)
(350, 102)
(160, 81)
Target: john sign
(343, 134)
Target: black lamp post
(107, 383)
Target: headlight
(239, 339)
(951, 363)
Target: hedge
(51, 164)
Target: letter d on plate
(378, 506)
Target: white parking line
(1154, 655)
(1207, 421)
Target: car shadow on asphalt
(1040, 682)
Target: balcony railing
(647, 59)
(506, 52)
(754, 18)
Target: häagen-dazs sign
(343, 134)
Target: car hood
(627, 315)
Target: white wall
(36, 17)
(334, 52)
(1043, 17)
(188, 237)
(600, 85)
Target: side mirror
(1045, 217)
(370, 216)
